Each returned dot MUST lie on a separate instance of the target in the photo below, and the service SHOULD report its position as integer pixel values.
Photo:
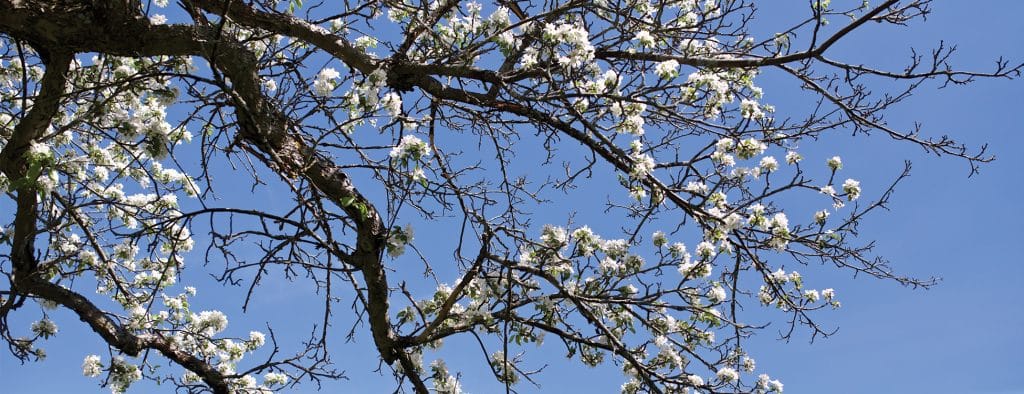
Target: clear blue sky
(966, 335)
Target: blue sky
(964, 335)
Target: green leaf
(34, 168)
(20, 183)
(363, 210)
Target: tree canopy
(263, 141)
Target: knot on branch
(399, 75)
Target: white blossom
(553, 236)
(583, 234)
(257, 339)
(780, 221)
(209, 322)
(337, 24)
(748, 364)
(852, 189)
(668, 69)
(44, 328)
(725, 145)
(325, 82)
(410, 147)
(821, 216)
(793, 157)
(270, 85)
(723, 158)
(246, 381)
(750, 147)
(706, 250)
(638, 193)
(727, 374)
(571, 36)
(609, 265)
(274, 378)
(769, 164)
(659, 239)
(500, 18)
(418, 175)
(529, 58)
(835, 163)
(716, 294)
(364, 42)
(643, 165)
(750, 109)
(779, 276)
(397, 239)
(38, 152)
(392, 102)
(92, 366)
(696, 187)
(645, 39)
(678, 250)
(122, 375)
